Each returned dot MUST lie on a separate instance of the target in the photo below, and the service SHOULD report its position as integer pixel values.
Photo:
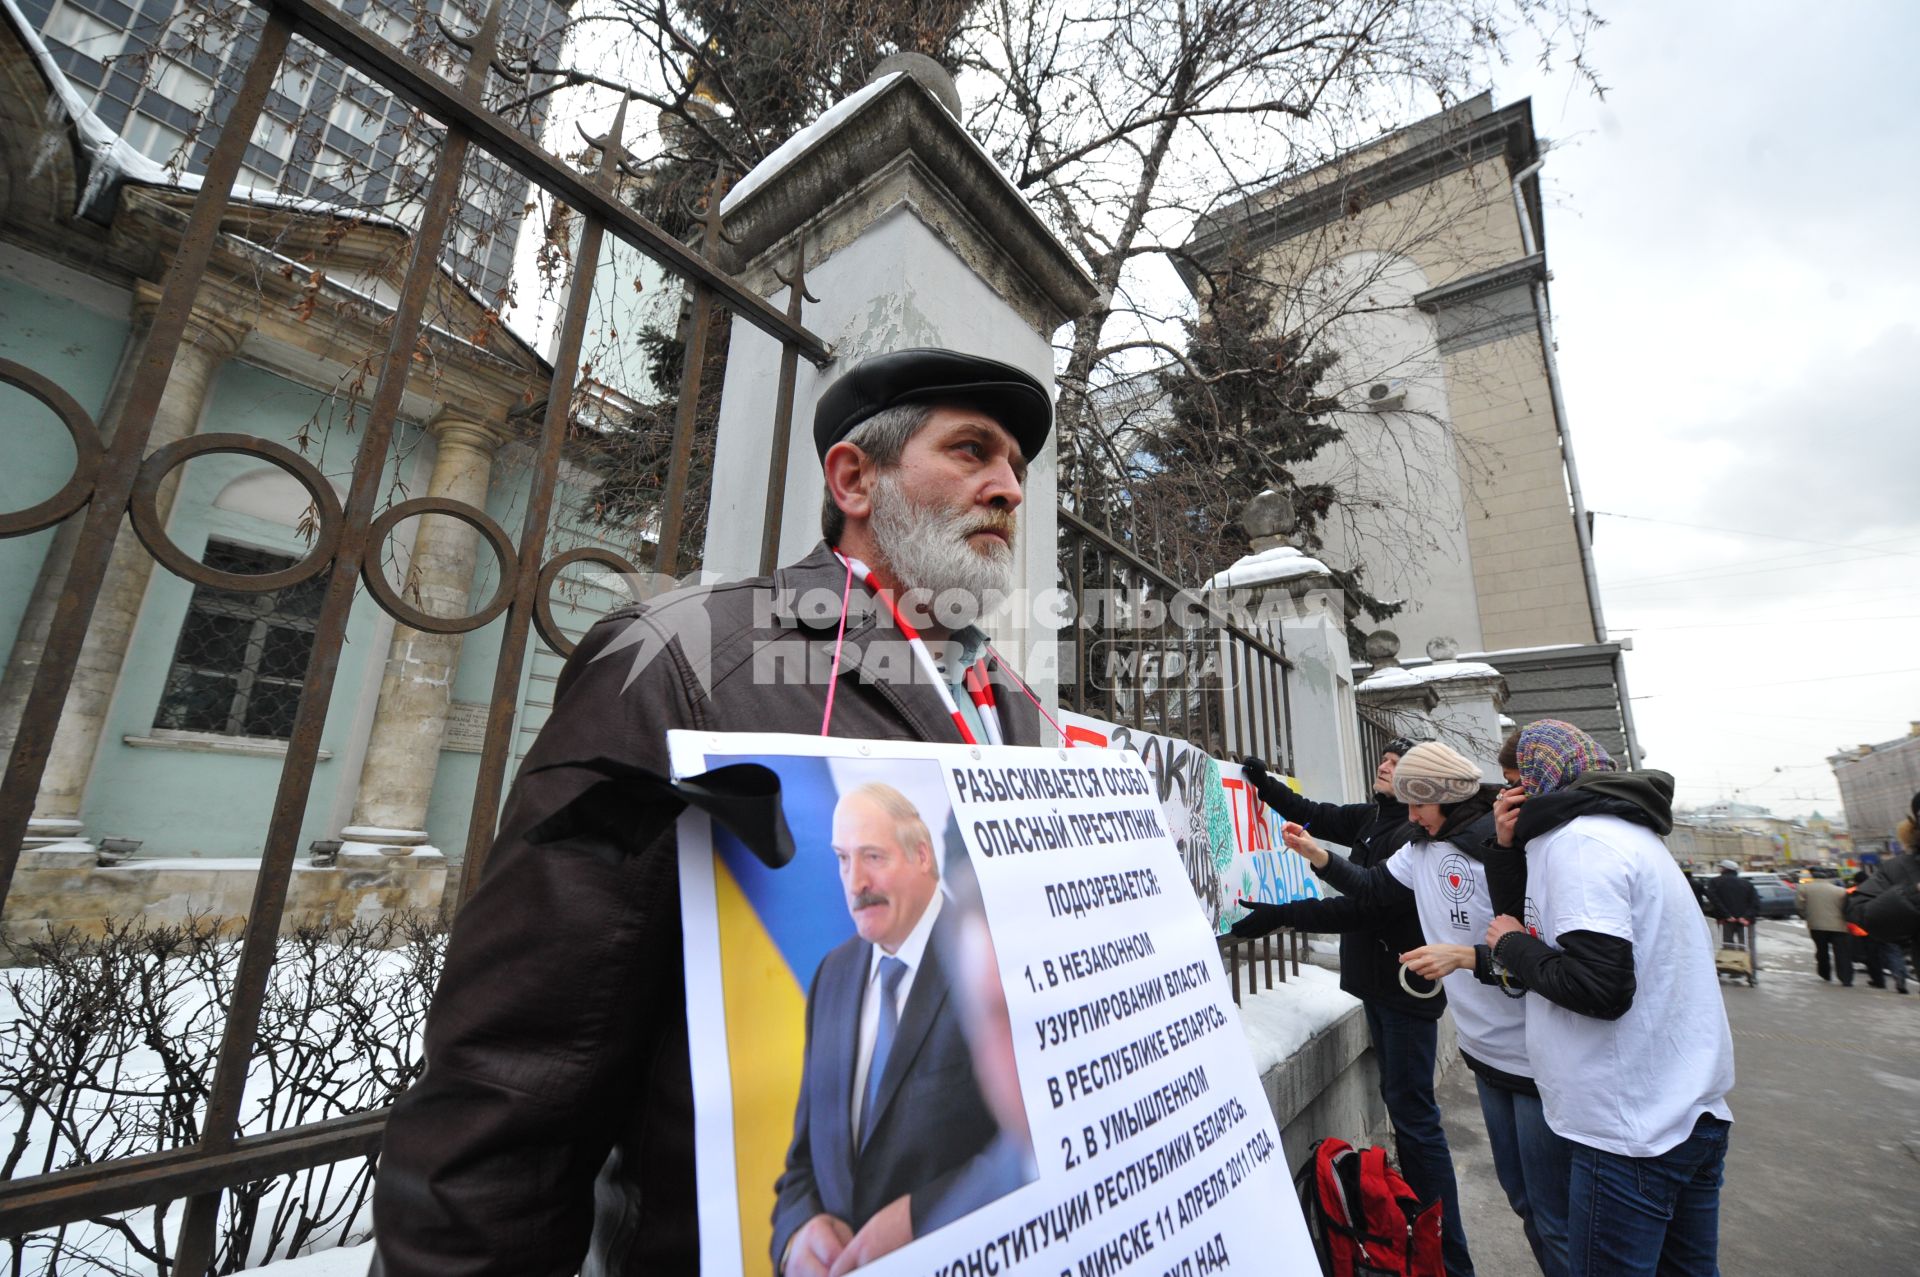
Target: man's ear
(849, 473)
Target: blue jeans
(1405, 1046)
(1533, 1165)
(1658, 1216)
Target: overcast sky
(1735, 283)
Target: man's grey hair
(909, 827)
(883, 437)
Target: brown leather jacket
(552, 1132)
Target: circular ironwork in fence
(543, 618)
(88, 451)
(144, 509)
(373, 572)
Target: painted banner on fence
(975, 1025)
(1229, 840)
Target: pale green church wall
(189, 803)
(78, 349)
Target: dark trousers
(1405, 1046)
(1833, 949)
(1533, 1165)
(1648, 1216)
(1879, 958)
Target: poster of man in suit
(911, 1143)
(859, 979)
(962, 1012)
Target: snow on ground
(342, 1261)
(1281, 1020)
(138, 1077)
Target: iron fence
(115, 476)
(1375, 732)
(1158, 656)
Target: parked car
(1777, 899)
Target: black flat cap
(926, 375)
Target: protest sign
(1229, 840)
(1063, 1085)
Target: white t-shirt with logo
(1636, 1085)
(1450, 888)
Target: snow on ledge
(1395, 676)
(797, 145)
(1281, 1020)
(1281, 563)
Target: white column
(410, 721)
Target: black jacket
(1731, 896)
(1371, 942)
(1887, 905)
(1590, 973)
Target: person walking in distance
(1626, 1028)
(1403, 1026)
(1824, 902)
(1735, 901)
(1884, 907)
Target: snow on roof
(1281, 563)
(831, 120)
(1439, 672)
(109, 156)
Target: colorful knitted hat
(1553, 754)
(1432, 773)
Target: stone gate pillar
(1288, 599)
(912, 237)
(213, 335)
(416, 689)
(1443, 698)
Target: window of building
(183, 86)
(83, 32)
(273, 136)
(242, 658)
(153, 139)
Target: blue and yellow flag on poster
(775, 926)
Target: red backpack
(1364, 1219)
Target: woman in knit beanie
(1625, 1025)
(1442, 872)
(1432, 773)
(1552, 755)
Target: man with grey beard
(552, 1129)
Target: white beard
(926, 547)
